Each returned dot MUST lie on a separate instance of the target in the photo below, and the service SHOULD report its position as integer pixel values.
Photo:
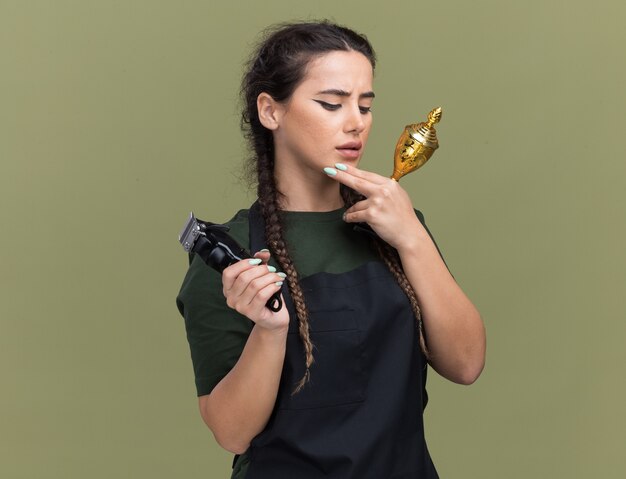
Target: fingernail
(341, 166)
(282, 275)
(279, 283)
(271, 268)
(264, 251)
(330, 171)
(255, 261)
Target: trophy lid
(425, 132)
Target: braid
(276, 67)
(269, 202)
(390, 257)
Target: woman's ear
(269, 111)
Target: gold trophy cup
(416, 145)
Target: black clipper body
(217, 249)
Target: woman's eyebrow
(334, 91)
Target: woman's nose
(355, 121)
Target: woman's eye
(329, 106)
(365, 109)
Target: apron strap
(256, 228)
(256, 225)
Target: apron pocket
(337, 375)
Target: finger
(261, 299)
(363, 186)
(245, 279)
(231, 272)
(370, 208)
(246, 267)
(359, 206)
(258, 308)
(362, 216)
(364, 174)
(264, 255)
(250, 297)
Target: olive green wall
(119, 117)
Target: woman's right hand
(248, 287)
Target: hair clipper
(217, 249)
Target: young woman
(333, 384)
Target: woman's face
(327, 119)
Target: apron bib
(360, 415)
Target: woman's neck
(307, 190)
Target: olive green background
(119, 117)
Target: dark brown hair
(276, 67)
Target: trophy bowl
(416, 145)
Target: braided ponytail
(277, 66)
(390, 257)
(268, 200)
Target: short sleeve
(216, 333)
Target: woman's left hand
(455, 332)
(387, 207)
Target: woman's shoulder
(239, 227)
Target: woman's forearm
(240, 405)
(453, 326)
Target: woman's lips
(349, 152)
(351, 149)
